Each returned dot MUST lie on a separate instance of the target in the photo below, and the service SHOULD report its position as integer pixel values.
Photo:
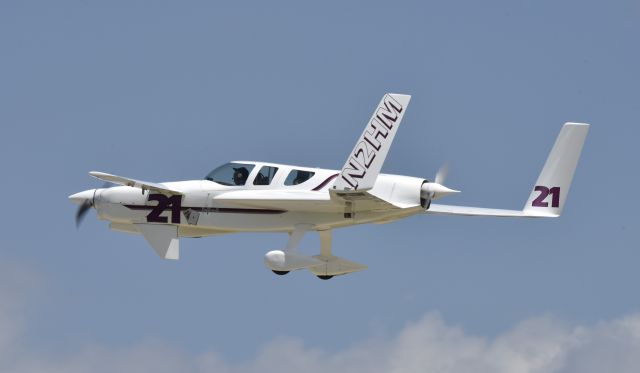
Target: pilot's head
(240, 175)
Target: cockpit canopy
(239, 174)
(231, 174)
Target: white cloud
(16, 284)
(428, 345)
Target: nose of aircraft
(79, 198)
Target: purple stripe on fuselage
(324, 183)
(224, 210)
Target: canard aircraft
(248, 196)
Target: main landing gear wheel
(324, 277)
(280, 273)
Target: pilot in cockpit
(240, 175)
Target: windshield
(230, 174)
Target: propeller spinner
(86, 200)
(436, 189)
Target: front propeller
(435, 189)
(86, 200)
(82, 211)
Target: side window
(298, 177)
(265, 175)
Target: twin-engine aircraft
(247, 196)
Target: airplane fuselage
(205, 208)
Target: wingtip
(577, 124)
(399, 94)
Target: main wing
(549, 194)
(480, 211)
(300, 200)
(289, 200)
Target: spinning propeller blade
(442, 173)
(82, 211)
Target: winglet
(549, 195)
(365, 161)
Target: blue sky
(169, 90)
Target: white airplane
(247, 196)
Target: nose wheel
(280, 273)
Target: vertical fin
(365, 161)
(163, 238)
(550, 192)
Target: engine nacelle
(278, 260)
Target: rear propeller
(435, 189)
(442, 173)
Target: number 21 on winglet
(544, 193)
